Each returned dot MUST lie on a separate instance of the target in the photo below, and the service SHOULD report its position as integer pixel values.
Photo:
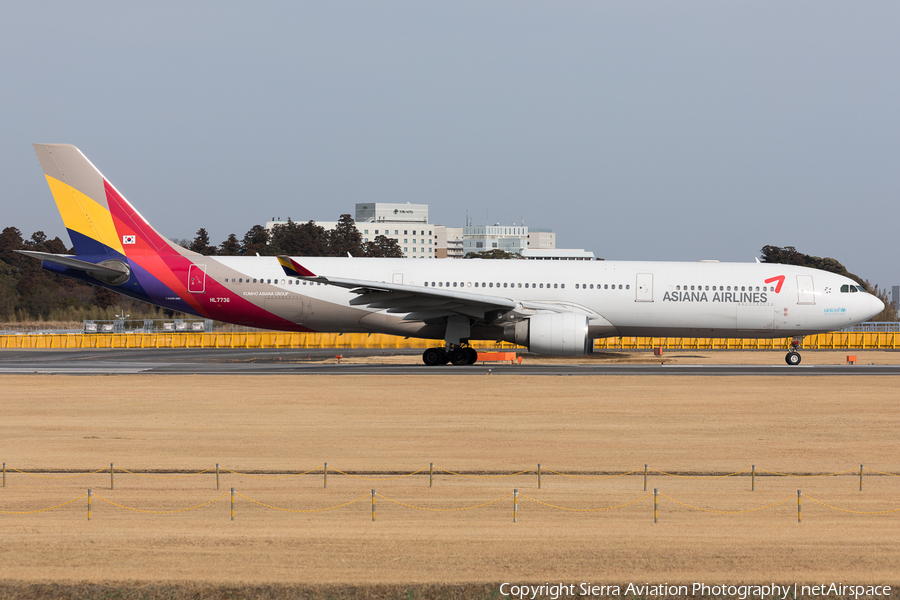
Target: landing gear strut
(793, 357)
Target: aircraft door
(643, 288)
(805, 290)
(398, 278)
(197, 279)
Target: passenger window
(576, 286)
(520, 285)
(542, 286)
(620, 286)
(592, 286)
(440, 284)
(491, 284)
(562, 285)
(628, 287)
(454, 284)
(554, 286)
(678, 287)
(504, 285)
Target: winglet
(293, 268)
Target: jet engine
(557, 334)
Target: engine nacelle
(557, 334)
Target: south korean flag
(128, 239)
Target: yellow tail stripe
(85, 215)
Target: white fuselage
(702, 299)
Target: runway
(312, 362)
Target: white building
(448, 241)
(484, 238)
(407, 224)
(540, 238)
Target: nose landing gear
(793, 357)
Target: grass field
(378, 427)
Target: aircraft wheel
(792, 358)
(459, 356)
(434, 357)
(473, 356)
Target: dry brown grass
(476, 424)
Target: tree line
(298, 239)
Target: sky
(636, 130)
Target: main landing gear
(456, 355)
(793, 357)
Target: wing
(419, 303)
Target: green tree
(345, 238)
(10, 241)
(230, 247)
(201, 243)
(256, 241)
(382, 247)
(300, 239)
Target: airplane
(550, 307)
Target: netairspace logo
(554, 591)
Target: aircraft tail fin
(100, 221)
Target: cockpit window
(845, 288)
(860, 288)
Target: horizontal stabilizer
(73, 263)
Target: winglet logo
(128, 239)
(779, 279)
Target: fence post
(752, 478)
(515, 506)
(645, 478)
(860, 477)
(217, 475)
(111, 476)
(430, 474)
(326, 476)
(232, 504)
(539, 475)
(373, 505)
(799, 511)
(89, 504)
(655, 504)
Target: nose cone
(875, 306)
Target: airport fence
(839, 340)
(644, 495)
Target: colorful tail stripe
(294, 269)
